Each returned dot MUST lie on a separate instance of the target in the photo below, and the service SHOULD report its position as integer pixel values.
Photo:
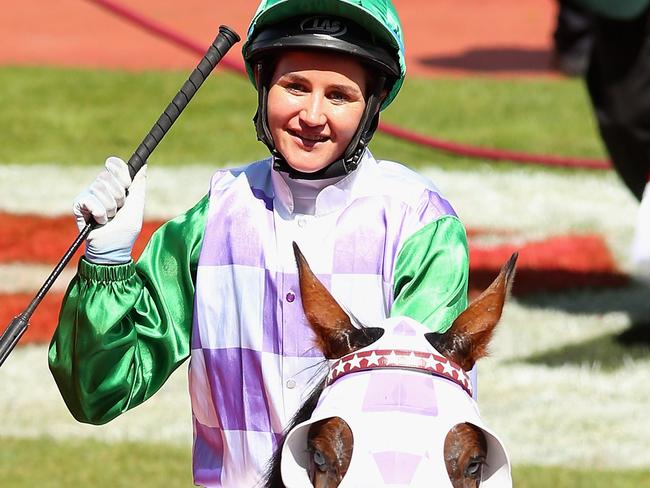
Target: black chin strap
(351, 156)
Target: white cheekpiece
(112, 241)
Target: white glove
(112, 241)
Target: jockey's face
(315, 103)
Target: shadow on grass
(529, 282)
(609, 352)
(494, 60)
(631, 298)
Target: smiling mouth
(308, 140)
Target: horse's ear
(329, 321)
(467, 339)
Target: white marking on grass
(539, 205)
(573, 414)
(532, 203)
(521, 199)
(558, 393)
(170, 191)
(30, 406)
(25, 278)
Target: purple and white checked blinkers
(400, 403)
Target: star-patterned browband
(396, 358)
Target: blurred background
(503, 127)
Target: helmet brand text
(324, 25)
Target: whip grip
(222, 43)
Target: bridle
(428, 363)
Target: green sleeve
(431, 274)
(123, 329)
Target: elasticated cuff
(105, 272)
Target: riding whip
(222, 43)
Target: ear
(467, 339)
(335, 334)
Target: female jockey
(219, 283)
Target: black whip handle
(222, 43)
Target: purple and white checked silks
(253, 362)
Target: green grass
(549, 477)
(71, 116)
(52, 464)
(610, 352)
(539, 116)
(54, 115)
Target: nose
(313, 113)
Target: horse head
(396, 408)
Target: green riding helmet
(378, 17)
(367, 29)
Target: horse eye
(319, 460)
(474, 469)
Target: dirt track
(443, 37)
